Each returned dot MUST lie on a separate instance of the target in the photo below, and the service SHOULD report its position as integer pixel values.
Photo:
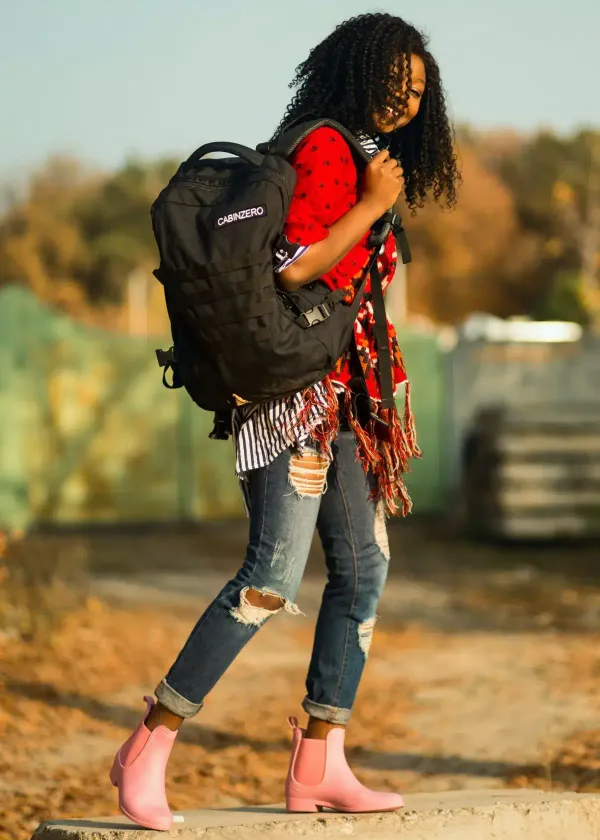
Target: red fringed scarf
(326, 189)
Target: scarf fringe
(329, 422)
(409, 425)
(386, 455)
(383, 451)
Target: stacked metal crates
(533, 473)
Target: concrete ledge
(460, 815)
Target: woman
(330, 456)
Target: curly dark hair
(362, 68)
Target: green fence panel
(424, 362)
(14, 498)
(88, 433)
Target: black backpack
(237, 337)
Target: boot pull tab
(149, 706)
(293, 722)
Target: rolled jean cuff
(174, 702)
(329, 713)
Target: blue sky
(104, 79)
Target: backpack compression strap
(380, 331)
(379, 235)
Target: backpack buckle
(166, 360)
(165, 357)
(314, 316)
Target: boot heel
(302, 806)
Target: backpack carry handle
(234, 149)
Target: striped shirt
(262, 432)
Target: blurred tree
(524, 238)
(41, 244)
(115, 222)
(556, 184)
(474, 258)
(75, 237)
(564, 301)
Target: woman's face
(390, 120)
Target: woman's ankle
(161, 716)
(318, 729)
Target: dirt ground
(484, 672)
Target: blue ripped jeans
(287, 502)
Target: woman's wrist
(373, 208)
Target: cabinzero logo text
(242, 215)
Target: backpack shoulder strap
(288, 141)
(284, 145)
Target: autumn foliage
(523, 239)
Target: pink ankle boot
(319, 777)
(138, 772)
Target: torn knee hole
(365, 634)
(381, 534)
(264, 600)
(256, 607)
(308, 473)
